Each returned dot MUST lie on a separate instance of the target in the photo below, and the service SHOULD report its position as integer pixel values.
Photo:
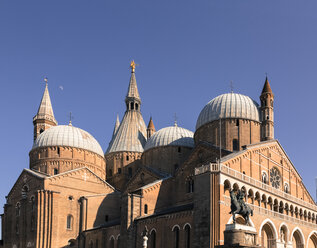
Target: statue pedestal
(237, 235)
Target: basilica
(159, 188)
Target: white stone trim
(273, 226)
(176, 226)
(312, 232)
(301, 233)
(187, 224)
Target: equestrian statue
(238, 206)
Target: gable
(80, 180)
(202, 154)
(261, 158)
(142, 177)
(28, 178)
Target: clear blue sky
(188, 52)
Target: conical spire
(151, 124)
(116, 126)
(45, 110)
(266, 87)
(150, 128)
(133, 88)
(44, 119)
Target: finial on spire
(46, 80)
(175, 120)
(132, 66)
(231, 86)
(70, 119)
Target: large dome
(230, 105)
(170, 136)
(68, 136)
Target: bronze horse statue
(238, 206)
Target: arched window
(176, 236)
(187, 236)
(25, 191)
(32, 203)
(286, 188)
(132, 105)
(118, 242)
(136, 106)
(179, 149)
(106, 218)
(264, 178)
(41, 130)
(32, 222)
(127, 158)
(112, 242)
(145, 209)
(18, 210)
(190, 185)
(69, 224)
(153, 239)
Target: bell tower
(267, 112)
(44, 119)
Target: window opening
(145, 209)
(69, 222)
(55, 171)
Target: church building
(167, 188)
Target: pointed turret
(133, 100)
(44, 119)
(150, 128)
(127, 144)
(116, 126)
(267, 87)
(267, 112)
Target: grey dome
(68, 136)
(170, 136)
(230, 105)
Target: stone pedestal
(237, 235)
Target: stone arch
(275, 205)
(281, 207)
(235, 187)
(270, 202)
(187, 224)
(250, 196)
(312, 240)
(298, 238)
(271, 225)
(227, 187)
(284, 233)
(176, 226)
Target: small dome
(170, 136)
(230, 105)
(63, 135)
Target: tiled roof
(131, 134)
(68, 136)
(171, 136)
(229, 105)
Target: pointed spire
(45, 110)
(133, 88)
(151, 124)
(266, 87)
(116, 126)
